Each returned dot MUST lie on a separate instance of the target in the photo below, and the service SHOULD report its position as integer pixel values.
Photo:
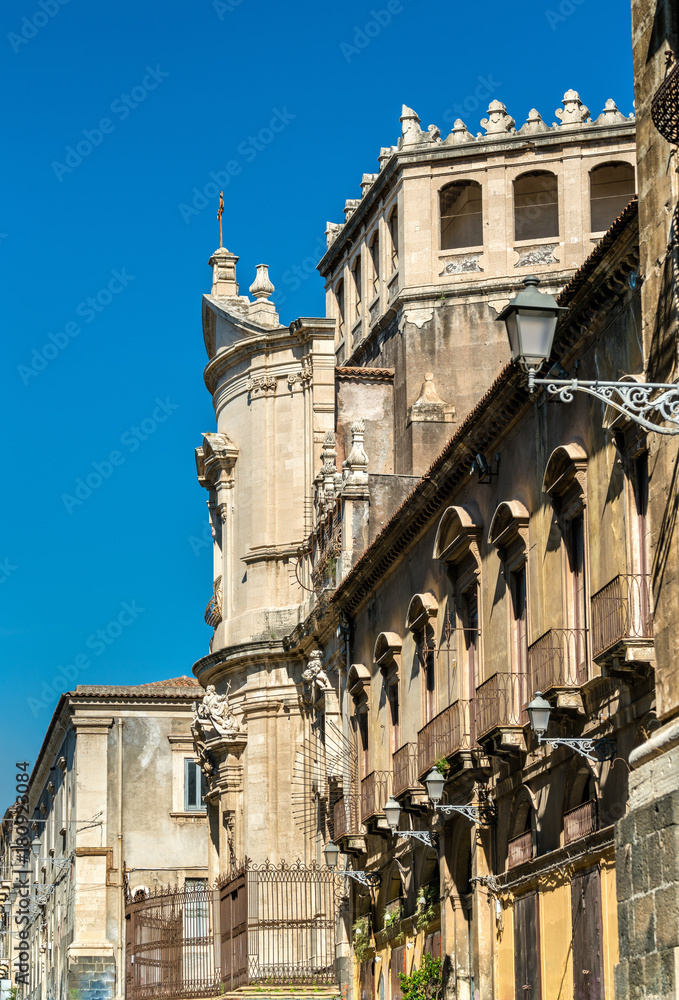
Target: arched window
(339, 302)
(393, 235)
(375, 261)
(356, 273)
(611, 188)
(536, 206)
(461, 215)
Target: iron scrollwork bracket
(594, 750)
(635, 400)
(477, 814)
(424, 836)
(370, 879)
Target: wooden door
(397, 965)
(367, 980)
(588, 973)
(526, 948)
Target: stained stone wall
(92, 978)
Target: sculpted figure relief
(216, 711)
(315, 674)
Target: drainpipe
(121, 877)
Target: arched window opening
(356, 273)
(611, 188)
(392, 225)
(461, 215)
(375, 261)
(339, 302)
(536, 206)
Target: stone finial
(498, 120)
(357, 462)
(429, 406)
(574, 111)
(366, 181)
(610, 115)
(262, 287)
(329, 460)
(533, 124)
(411, 133)
(434, 133)
(386, 153)
(223, 266)
(262, 311)
(350, 206)
(459, 133)
(332, 231)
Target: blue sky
(115, 118)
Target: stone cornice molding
(92, 725)
(458, 535)
(509, 526)
(358, 374)
(387, 654)
(422, 610)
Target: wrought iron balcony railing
(665, 106)
(621, 611)
(405, 769)
(520, 849)
(345, 817)
(500, 703)
(375, 791)
(448, 732)
(579, 822)
(558, 660)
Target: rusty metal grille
(520, 849)
(621, 610)
(500, 701)
(665, 106)
(579, 822)
(558, 659)
(448, 732)
(278, 925)
(171, 944)
(405, 769)
(375, 791)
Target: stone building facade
(404, 542)
(115, 808)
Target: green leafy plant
(426, 903)
(362, 939)
(393, 915)
(425, 983)
(442, 766)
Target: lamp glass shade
(331, 852)
(392, 811)
(435, 782)
(35, 847)
(535, 336)
(538, 713)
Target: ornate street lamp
(392, 811)
(371, 879)
(531, 319)
(474, 813)
(539, 711)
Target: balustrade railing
(621, 610)
(520, 849)
(558, 659)
(345, 817)
(405, 769)
(500, 703)
(579, 822)
(444, 735)
(375, 791)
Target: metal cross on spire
(220, 213)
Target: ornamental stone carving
(357, 462)
(458, 134)
(574, 111)
(304, 375)
(213, 716)
(462, 265)
(498, 121)
(610, 115)
(261, 383)
(534, 124)
(539, 255)
(332, 231)
(315, 676)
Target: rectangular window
(195, 786)
(519, 631)
(576, 563)
(363, 740)
(429, 682)
(526, 948)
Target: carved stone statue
(314, 674)
(215, 710)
